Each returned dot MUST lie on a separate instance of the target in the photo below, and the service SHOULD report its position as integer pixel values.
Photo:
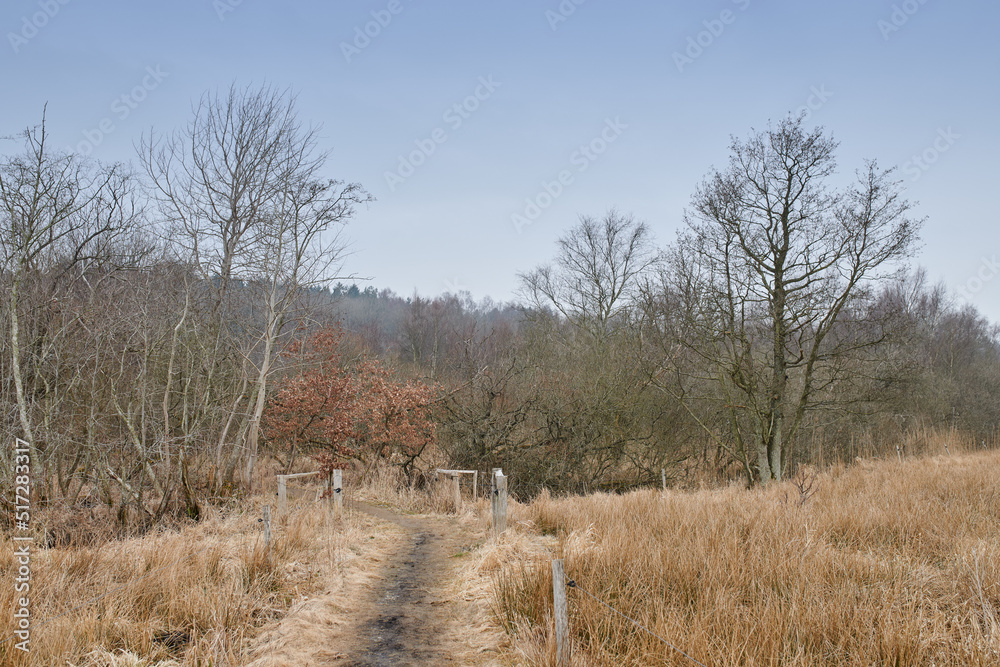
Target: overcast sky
(462, 117)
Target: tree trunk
(763, 461)
(270, 337)
(15, 364)
(779, 379)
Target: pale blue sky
(889, 95)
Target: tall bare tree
(241, 188)
(772, 264)
(597, 273)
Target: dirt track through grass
(392, 592)
(412, 616)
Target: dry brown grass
(888, 563)
(321, 624)
(193, 596)
(386, 485)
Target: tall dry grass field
(887, 563)
(194, 596)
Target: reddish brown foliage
(343, 414)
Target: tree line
(169, 322)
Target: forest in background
(169, 324)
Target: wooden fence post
(456, 492)
(663, 477)
(328, 490)
(282, 494)
(561, 612)
(499, 504)
(493, 492)
(338, 493)
(267, 526)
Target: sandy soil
(395, 597)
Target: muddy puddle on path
(409, 618)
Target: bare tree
(241, 191)
(59, 217)
(597, 417)
(772, 265)
(597, 271)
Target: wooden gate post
(328, 490)
(493, 492)
(561, 612)
(456, 492)
(499, 504)
(338, 493)
(282, 494)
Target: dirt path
(396, 598)
(413, 615)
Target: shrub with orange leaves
(343, 414)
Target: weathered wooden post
(663, 477)
(267, 526)
(493, 492)
(561, 612)
(456, 492)
(499, 503)
(282, 494)
(338, 493)
(328, 491)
